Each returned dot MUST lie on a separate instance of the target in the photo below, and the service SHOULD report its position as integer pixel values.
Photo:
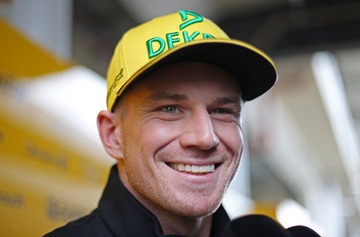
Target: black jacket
(120, 214)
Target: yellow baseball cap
(186, 36)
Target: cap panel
(117, 74)
(150, 40)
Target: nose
(199, 132)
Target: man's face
(182, 138)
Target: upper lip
(197, 159)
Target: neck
(186, 226)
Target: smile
(193, 169)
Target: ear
(109, 127)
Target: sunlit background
(302, 159)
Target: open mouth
(193, 169)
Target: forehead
(190, 74)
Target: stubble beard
(161, 197)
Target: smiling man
(176, 86)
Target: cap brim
(254, 70)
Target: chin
(197, 209)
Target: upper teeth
(194, 168)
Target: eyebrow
(181, 97)
(228, 100)
(165, 96)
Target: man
(176, 86)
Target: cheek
(239, 140)
(157, 135)
(143, 137)
(232, 138)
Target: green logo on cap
(157, 45)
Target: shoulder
(90, 225)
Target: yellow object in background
(21, 58)
(49, 174)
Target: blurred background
(302, 159)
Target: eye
(171, 109)
(220, 111)
(225, 114)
